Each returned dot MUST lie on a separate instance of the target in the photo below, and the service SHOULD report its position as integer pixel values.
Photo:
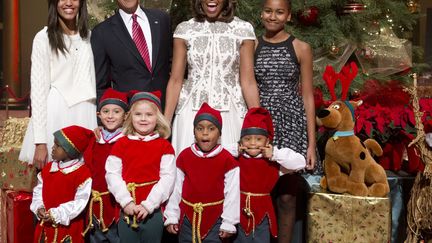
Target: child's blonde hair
(162, 125)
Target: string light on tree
(373, 29)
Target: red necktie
(140, 42)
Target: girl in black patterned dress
(283, 70)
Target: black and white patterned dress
(277, 72)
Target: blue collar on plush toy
(338, 134)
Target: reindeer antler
(346, 76)
(330, 77)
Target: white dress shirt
(145, 26)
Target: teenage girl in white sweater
(62, 79)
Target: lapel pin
(156, 22)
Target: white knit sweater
(72, 74)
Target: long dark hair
(55, 31)
(227, 14)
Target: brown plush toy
(348, 165)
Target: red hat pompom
(206, 112)
(258, 121)
(73, 139)
(111, 96)
(153, 97)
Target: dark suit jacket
(117, 61)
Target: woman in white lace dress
(218, 50)
(62, 79)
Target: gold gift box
(345, 218)
(14, 174)
(13, 132)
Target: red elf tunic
(59, 188)
(202, 187)
(257, 178)
(141, 161)
(95, 158)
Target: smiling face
(111, 116)
(206, 135)
(68, 10)
(275, 14)
(144, 117)
(254, 143)
(212, 9)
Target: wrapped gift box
(20, 225)
(14, 174)
(13, 132)
(345, 218)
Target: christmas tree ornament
(413, 6)
(353, 7)
(334, 50)
(308, 16)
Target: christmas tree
(373, 33)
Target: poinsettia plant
(385, 112)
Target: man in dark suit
(119, 62)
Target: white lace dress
(213, 57)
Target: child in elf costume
(205, 204)
(63, 189)
(140, 171)
(103, 213)
(259, 165)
